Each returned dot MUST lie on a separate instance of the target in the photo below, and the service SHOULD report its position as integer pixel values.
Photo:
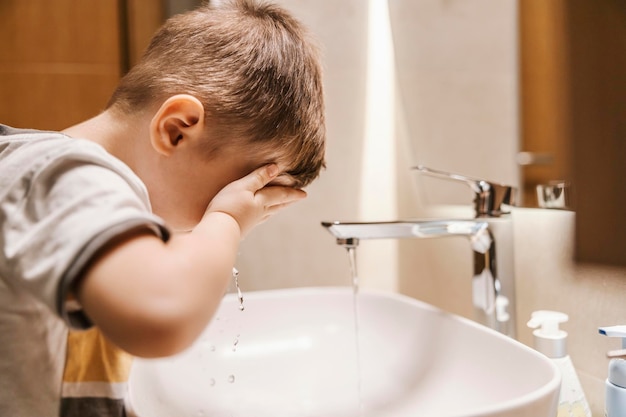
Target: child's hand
(250, 200)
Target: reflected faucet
(493, 285)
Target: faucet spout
(487, 297)
(476, 231)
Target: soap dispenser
(552, 342)
(615, 397)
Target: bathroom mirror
(572, 108)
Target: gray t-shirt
(61, 200)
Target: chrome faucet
(493, 297)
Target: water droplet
(211, 382)
(236, 276)
(212, 348)
(231, 378)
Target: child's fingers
(279, 195)
(262, 176)
(271, 210)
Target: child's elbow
(156, 335)
(159, 343)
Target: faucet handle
(488, 196)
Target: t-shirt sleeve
(55, 225)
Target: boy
(129, 223)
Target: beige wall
(292, 249)
(456, 109)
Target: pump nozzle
(549, 339)
(547, 322)
(615, 331)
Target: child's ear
(179, 119)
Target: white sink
(293, 353)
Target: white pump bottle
(551, 341)
(615, 401)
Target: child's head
(254, 70)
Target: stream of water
(355, 292)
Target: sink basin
(294, 353)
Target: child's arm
(154, 299)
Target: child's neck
(118, 135)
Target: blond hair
(254, 68)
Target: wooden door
(61, 60)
